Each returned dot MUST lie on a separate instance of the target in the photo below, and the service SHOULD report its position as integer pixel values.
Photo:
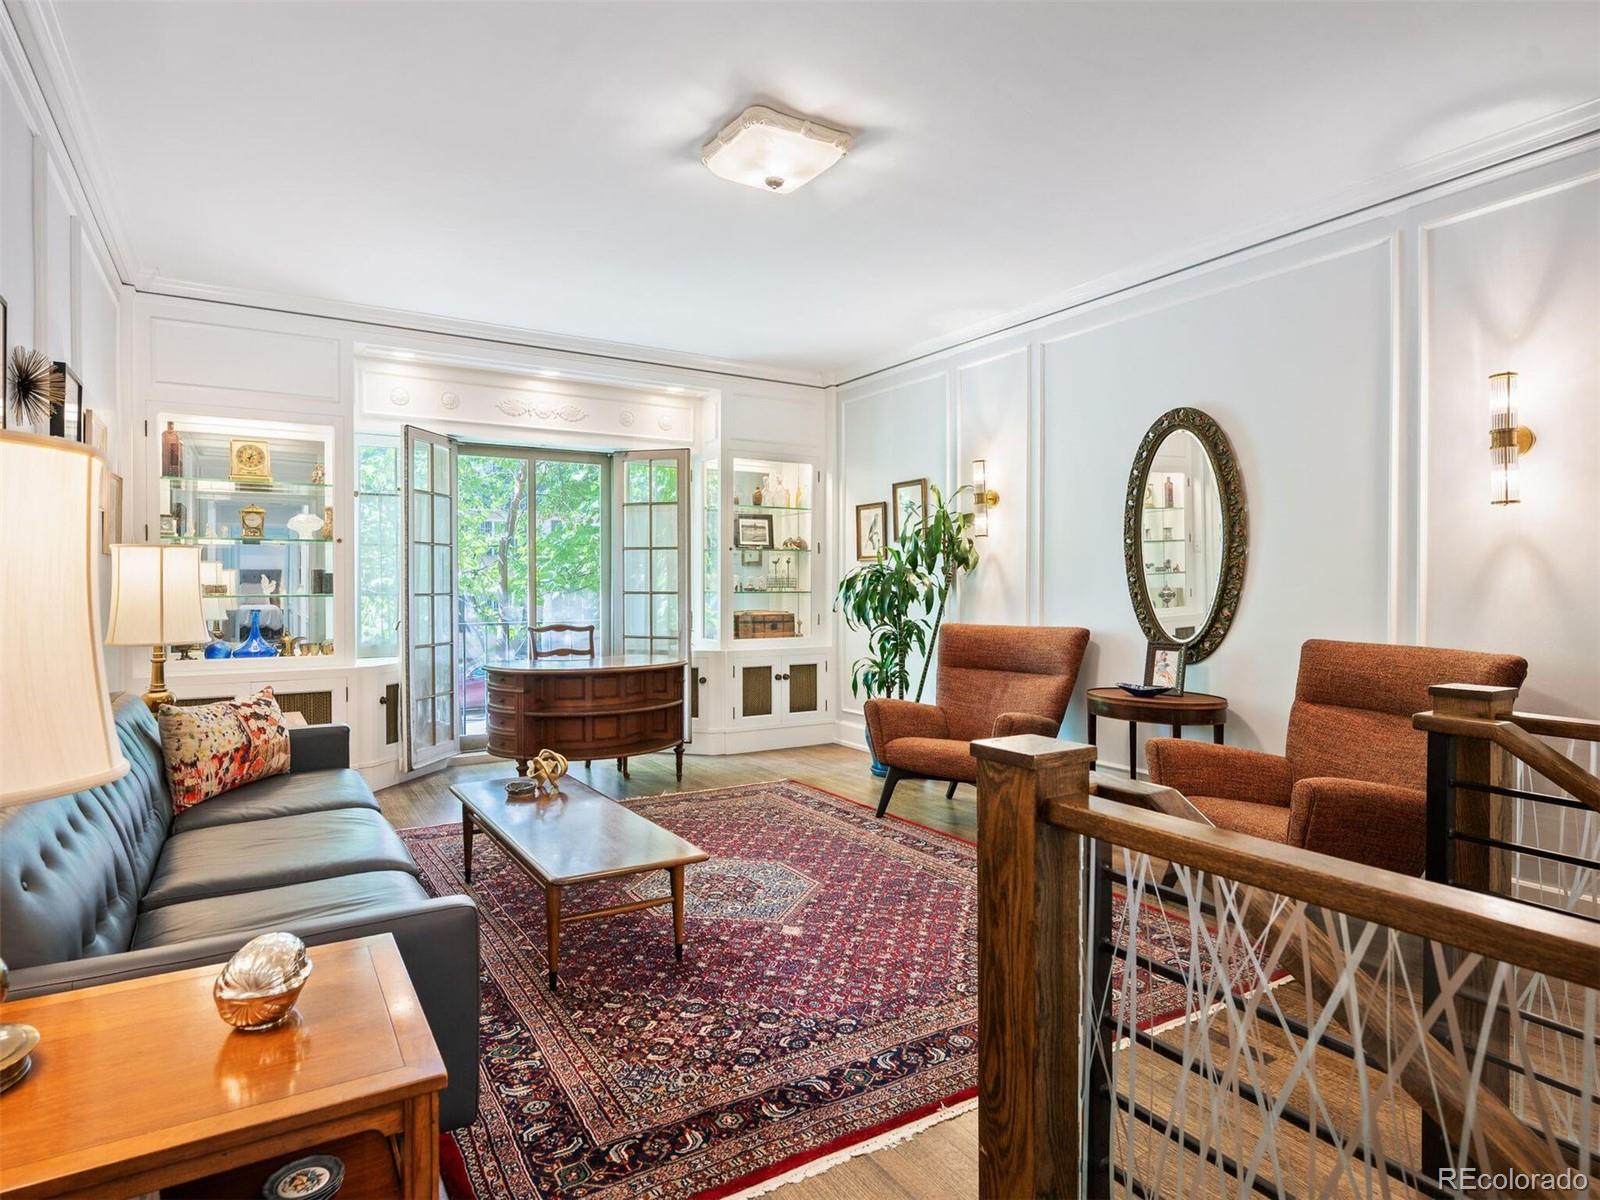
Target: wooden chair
(560, 651)
(567, 652)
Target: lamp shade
(155, 596)
(56, 732)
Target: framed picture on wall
(910, 498)
(872, 520)
(750, 558)
(753, 531)
(1163, 666)
(66, 391)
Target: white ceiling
(536, 165)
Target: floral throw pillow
(214, 748)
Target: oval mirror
(1183, 532)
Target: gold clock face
(250, 460)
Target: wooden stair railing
(1038, 802)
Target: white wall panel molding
(188, 357)
(1527, 147)
(22, 55)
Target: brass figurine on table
(543, 770)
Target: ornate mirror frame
(1235, 530)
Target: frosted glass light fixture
(764, 148)
(1508, 441)
(984, 497)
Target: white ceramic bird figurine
(268, 586)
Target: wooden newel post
(1030, 967)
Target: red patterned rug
(827, 1000)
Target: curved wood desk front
(587, 708)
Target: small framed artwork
(111, 513)
(871, 522)
(910, 504)
(1163, 666)
(750, 558)
(94, 432)
(66, 413)
(752, 531)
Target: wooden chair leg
(950, 792)
(889, 781)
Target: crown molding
(1546, 139)
(155, 285)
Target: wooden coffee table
(575, 837)
(138, 1086)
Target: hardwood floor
(940, 1163)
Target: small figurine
(319, 474)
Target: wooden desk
(1191, 708)
(576, 836)
(586, 708)
(139, 1085)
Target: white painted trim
(1520, 149)
(41, 244)
(1394, 563)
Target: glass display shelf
(772, 591)
(768, 550)
(769, 508)
(1163, 508)
(242, 541)
(236, 486)
(1154, 574)
(1165, 541)
(274, 597)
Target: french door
(431, 731)
(501, 538)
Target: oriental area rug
(827, 1004)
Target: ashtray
(521, 789)
(314, 1178)
(1145, 690)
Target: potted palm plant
(877, 599)
(899, 601)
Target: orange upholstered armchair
(1352, 781)
(994, 680)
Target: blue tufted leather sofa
(105, 884)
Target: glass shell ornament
(259, 985)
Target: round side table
(1191, 708)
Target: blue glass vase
(255, 646)
(217, 648)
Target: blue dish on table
(1144, 690)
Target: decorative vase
(759, 495)
(217, 648)
(1167, 489)
(171, 451)
(306, 525)
(255, 646)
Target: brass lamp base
(17, 1042)
(158, 693)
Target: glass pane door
(492, 575)
(429, 645)
(655, 559)
(569, 545)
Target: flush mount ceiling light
(764, 148)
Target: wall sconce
(983, 498)
(1508, 441)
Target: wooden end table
(575, 836)
(139, 1085)
(1191, 708)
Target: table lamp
(56, 731)
(155, 602)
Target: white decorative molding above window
(570, 413)
(566, 407)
